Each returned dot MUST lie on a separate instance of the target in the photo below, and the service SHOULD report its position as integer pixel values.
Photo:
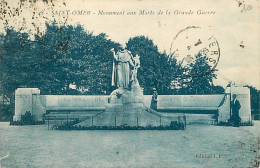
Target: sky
(234, 24)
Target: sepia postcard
(137, 83)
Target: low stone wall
(29, 99)
(190, 100)
(74, 102)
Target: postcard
(137, 83)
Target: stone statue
(122, 65)
(135, 68)
(124, 77)
(126, 101)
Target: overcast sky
(235, 26)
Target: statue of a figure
(135, 68)
(122, 66)
(128, 92)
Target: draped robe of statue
(122, 63)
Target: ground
(197, 146)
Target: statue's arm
(114, 53)
(138, 65)
(132, 63)
(131, 59)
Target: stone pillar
(24, 102)
(243, 96)
(37, 107)
(224, 109)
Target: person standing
(235, 105)
(154, 100)
(184, 119)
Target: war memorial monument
(127, 105)
(129, 84)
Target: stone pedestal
(126, 103)
(124, 106)
(24, 103)
(243, 96)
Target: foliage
(155, 71)
(63, 55)
(27, 118)
(69, 54)
(5, 113)
(14, 66)
(198, 77)
(255, 101)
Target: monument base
(122, 114)
(124, 108)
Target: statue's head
(122, 47)
(119, 92)
(137, 59)
(234, 96)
